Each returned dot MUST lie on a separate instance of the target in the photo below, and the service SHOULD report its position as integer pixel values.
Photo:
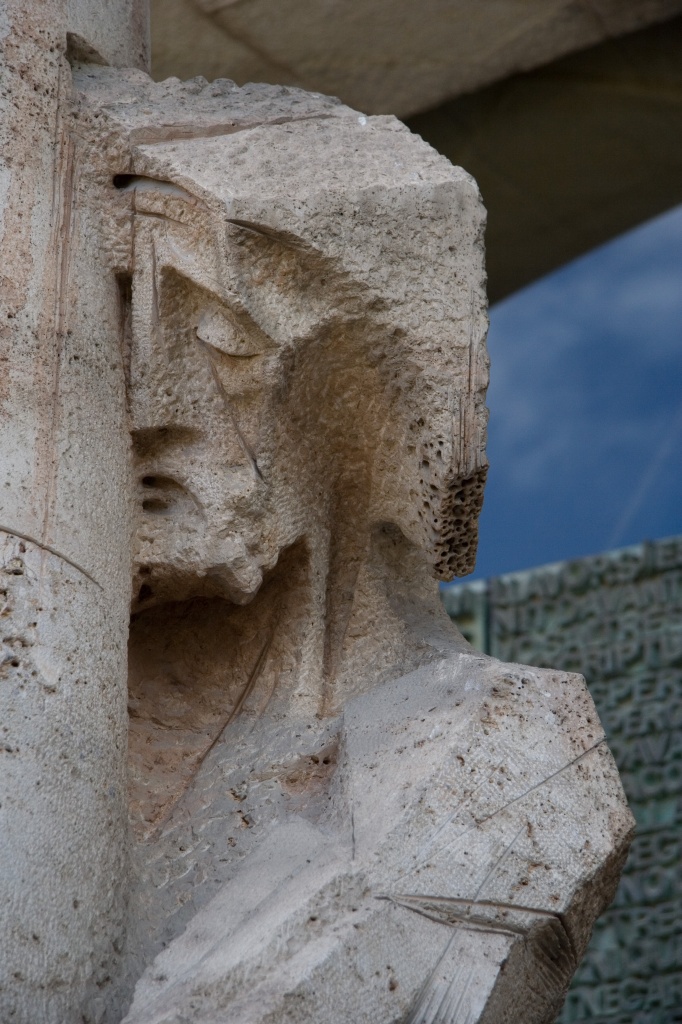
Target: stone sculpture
(339, 811)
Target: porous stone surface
(471, 828)
(341, 813)
(65, 528)
(338, 811)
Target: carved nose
(175, 389)
(170, 385)
(165, 387)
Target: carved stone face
(291, 370)
(206, 410)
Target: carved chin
(222, 568)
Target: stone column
(64, 527)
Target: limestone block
(259, 241)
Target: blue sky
(585, 434)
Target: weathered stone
(340, 812)
(307, 315)
(475, 826)
(65, 524)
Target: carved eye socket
(222, 333)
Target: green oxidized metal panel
(617, 619)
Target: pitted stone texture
(298, 299)
(290, 231)
(148, 111)
(485, 829)
(65, 527)
(340, 813)
(617, 618)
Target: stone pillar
(64, 527)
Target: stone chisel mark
(184, 132)
(421, 1012)
(10, 531)
(206, 349)
(424, 851)
(522, 796)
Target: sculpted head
(306, 352)
(302, 329)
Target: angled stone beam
(401, 58)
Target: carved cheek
(239, 380)
(171, 390)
